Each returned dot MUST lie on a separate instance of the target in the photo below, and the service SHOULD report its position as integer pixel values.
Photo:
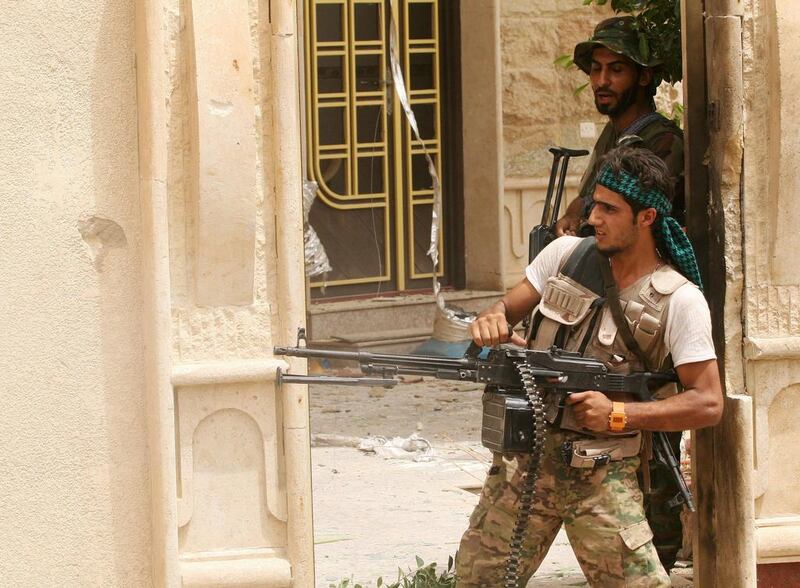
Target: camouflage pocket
(477, 516)
(636, 535)
(642, 569)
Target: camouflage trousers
(601, 509)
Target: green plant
(425, 576)
(566, 62)
(346, 583)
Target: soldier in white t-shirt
(640, 267)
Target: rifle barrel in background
(543, 233)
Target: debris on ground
(414, 447)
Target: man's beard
(609, 252)
(626, 100)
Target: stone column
(750, 514)
(483, 143)
(220, 182)
(770, 209)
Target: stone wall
(540, 108)
(771, 285)
(749, 532)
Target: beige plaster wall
(150, 152)
(539, 105)
(74, 474)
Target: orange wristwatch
(617, 419)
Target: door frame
(451, 165)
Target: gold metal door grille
(371, 171)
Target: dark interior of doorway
(453, 202)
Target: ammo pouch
(572, 315)
(588, 453)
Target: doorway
(374, 199)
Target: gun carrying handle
(551, 209)
(570, 152)
(474, 350)
(548, 199)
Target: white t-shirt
(687, 334)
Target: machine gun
(554, 369)
(513, 376)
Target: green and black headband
(668, 233)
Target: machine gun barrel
(387, 365)
(336, 380)
(555, 369)
(368, 358)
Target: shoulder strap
(612, 298)
(639, 124)
(581, 266)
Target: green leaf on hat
(644, 47)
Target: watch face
(617, 419)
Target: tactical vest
(572, 315)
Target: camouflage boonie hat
(620, 35)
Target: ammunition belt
(535, 397)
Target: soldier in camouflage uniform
(624, 82)
(592, 488)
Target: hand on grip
(493, 329)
